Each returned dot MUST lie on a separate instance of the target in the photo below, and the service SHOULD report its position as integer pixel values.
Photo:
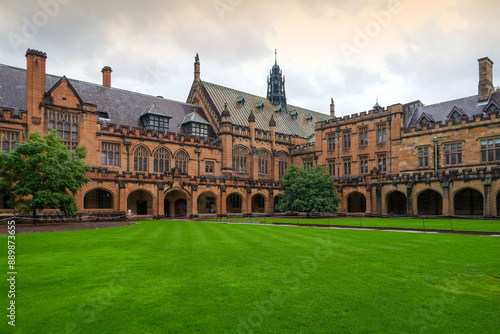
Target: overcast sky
(351, 51)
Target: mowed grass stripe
(408, 223)
(180, 277)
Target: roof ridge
(289, 106)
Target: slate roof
(123, 107)
(440, 112)
(285, 124)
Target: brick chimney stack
(106, 76)
(485, 86)
(35, 86)
(332, 109)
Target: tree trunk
(34, 216)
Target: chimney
(106, 76)
(485, 86)
(35, 81)
(332, 109)
(196, 67)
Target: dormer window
(260, 105)
(309, 117)
(155, 118)
(278, 109)
(103, 116)
(456, 114)
(240, 100)
(155, 122)
(425, 119)
(294, 113)
(195, 125)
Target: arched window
(66, 125)
(161, 162)
(141, 159)
(283, 159)
(181, 160)
(240, 155)
(263, 162)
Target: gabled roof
(194, 117)
(492, 107)
(440, 112)
(425, 117)
(70, 86)
(123, 107)
(285, 124)
(456, 112)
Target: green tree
(41, 172)
(308, 190)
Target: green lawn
(195, 277)
(409, 223)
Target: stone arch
(396, 203)
(429, 202)
(275, 202)
(234, 203)
(356, 202)
(177, 203)
(468, 202)
(259, 203)
(207, 202)
(98, 198)
(140, 202)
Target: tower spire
(276, 85)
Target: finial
(275, 56)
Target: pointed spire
(377, 106)
(275, 56)
(251, 117)
(196, 67)
(225, 112)
(272, 122)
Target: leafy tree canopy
(42, 173)
(308, 190)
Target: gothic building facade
(224, 151)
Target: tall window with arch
(283, 159)
(181, 161)
(263, 162)
(240, 157)
(161, 160)
(141, 159)
(66, 125)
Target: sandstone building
(224, 151)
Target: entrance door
(142, 207)
(180, 208)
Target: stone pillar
(378, 198)
(447, 202)
(409, 199)
(488, 200)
